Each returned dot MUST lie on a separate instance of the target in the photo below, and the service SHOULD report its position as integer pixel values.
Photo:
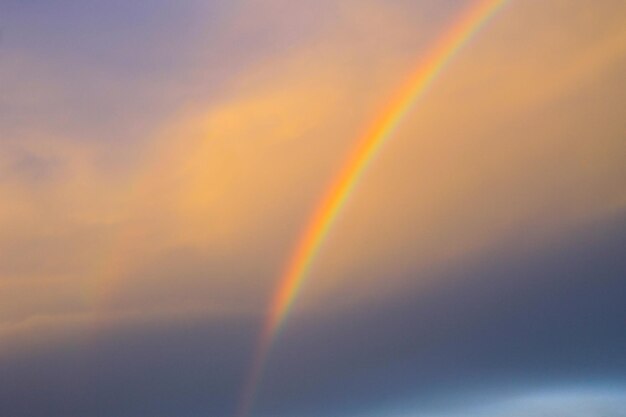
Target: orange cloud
(205, 211)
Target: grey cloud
(551, 313)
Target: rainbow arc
(343, 185)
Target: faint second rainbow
(344, 183)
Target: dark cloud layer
(158, 368)
(547, 313)
(541, 315)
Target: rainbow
(326, 213)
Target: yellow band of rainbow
(325, 214)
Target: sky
(160, 160)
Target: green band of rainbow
(343, 185)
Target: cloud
(508, 322)
(153, 182)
